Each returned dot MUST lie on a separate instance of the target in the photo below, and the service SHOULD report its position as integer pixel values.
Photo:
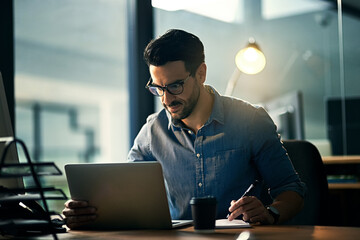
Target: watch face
(274, 210)
(275, 213)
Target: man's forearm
(288, 204)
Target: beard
(187, 105)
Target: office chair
(308, 163)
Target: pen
(247, 192)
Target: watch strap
(274, 213)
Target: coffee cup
(203, 211)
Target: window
(71, 81)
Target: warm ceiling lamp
(250, 60)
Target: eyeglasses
(175, 88)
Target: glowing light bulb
(250, 60)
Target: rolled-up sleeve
(271, 157)
(297, 186)
(140, 151)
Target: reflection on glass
(301, 43)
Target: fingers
(255, 215)
(239, 203)
(75, 204)
(250, 207)
(74, 222)
(237, 207)
(78, 213)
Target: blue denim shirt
(237, 145)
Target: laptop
(126, 195)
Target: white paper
(236, 223)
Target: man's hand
(252, 209)
(78, 213)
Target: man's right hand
(78, 213)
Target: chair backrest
(308, 163)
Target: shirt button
(198, 155)
(200, 184)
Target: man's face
(179, 106)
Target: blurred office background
(71, 65)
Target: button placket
(199, 163)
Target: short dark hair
(175, 45)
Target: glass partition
(301, 42)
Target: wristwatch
(274, 213)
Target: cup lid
(206, 199)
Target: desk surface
(256, 232)
(350, 159)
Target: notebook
(236, 223)
(126, 195)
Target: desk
(342, 160)
(344, 195)
(257, 232)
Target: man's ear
(201, 73)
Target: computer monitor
(6, 131)
(287, 113)
(337, 128)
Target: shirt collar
(217, 113)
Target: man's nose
(167, 98)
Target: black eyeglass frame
(149, 86)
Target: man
(208, 144)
